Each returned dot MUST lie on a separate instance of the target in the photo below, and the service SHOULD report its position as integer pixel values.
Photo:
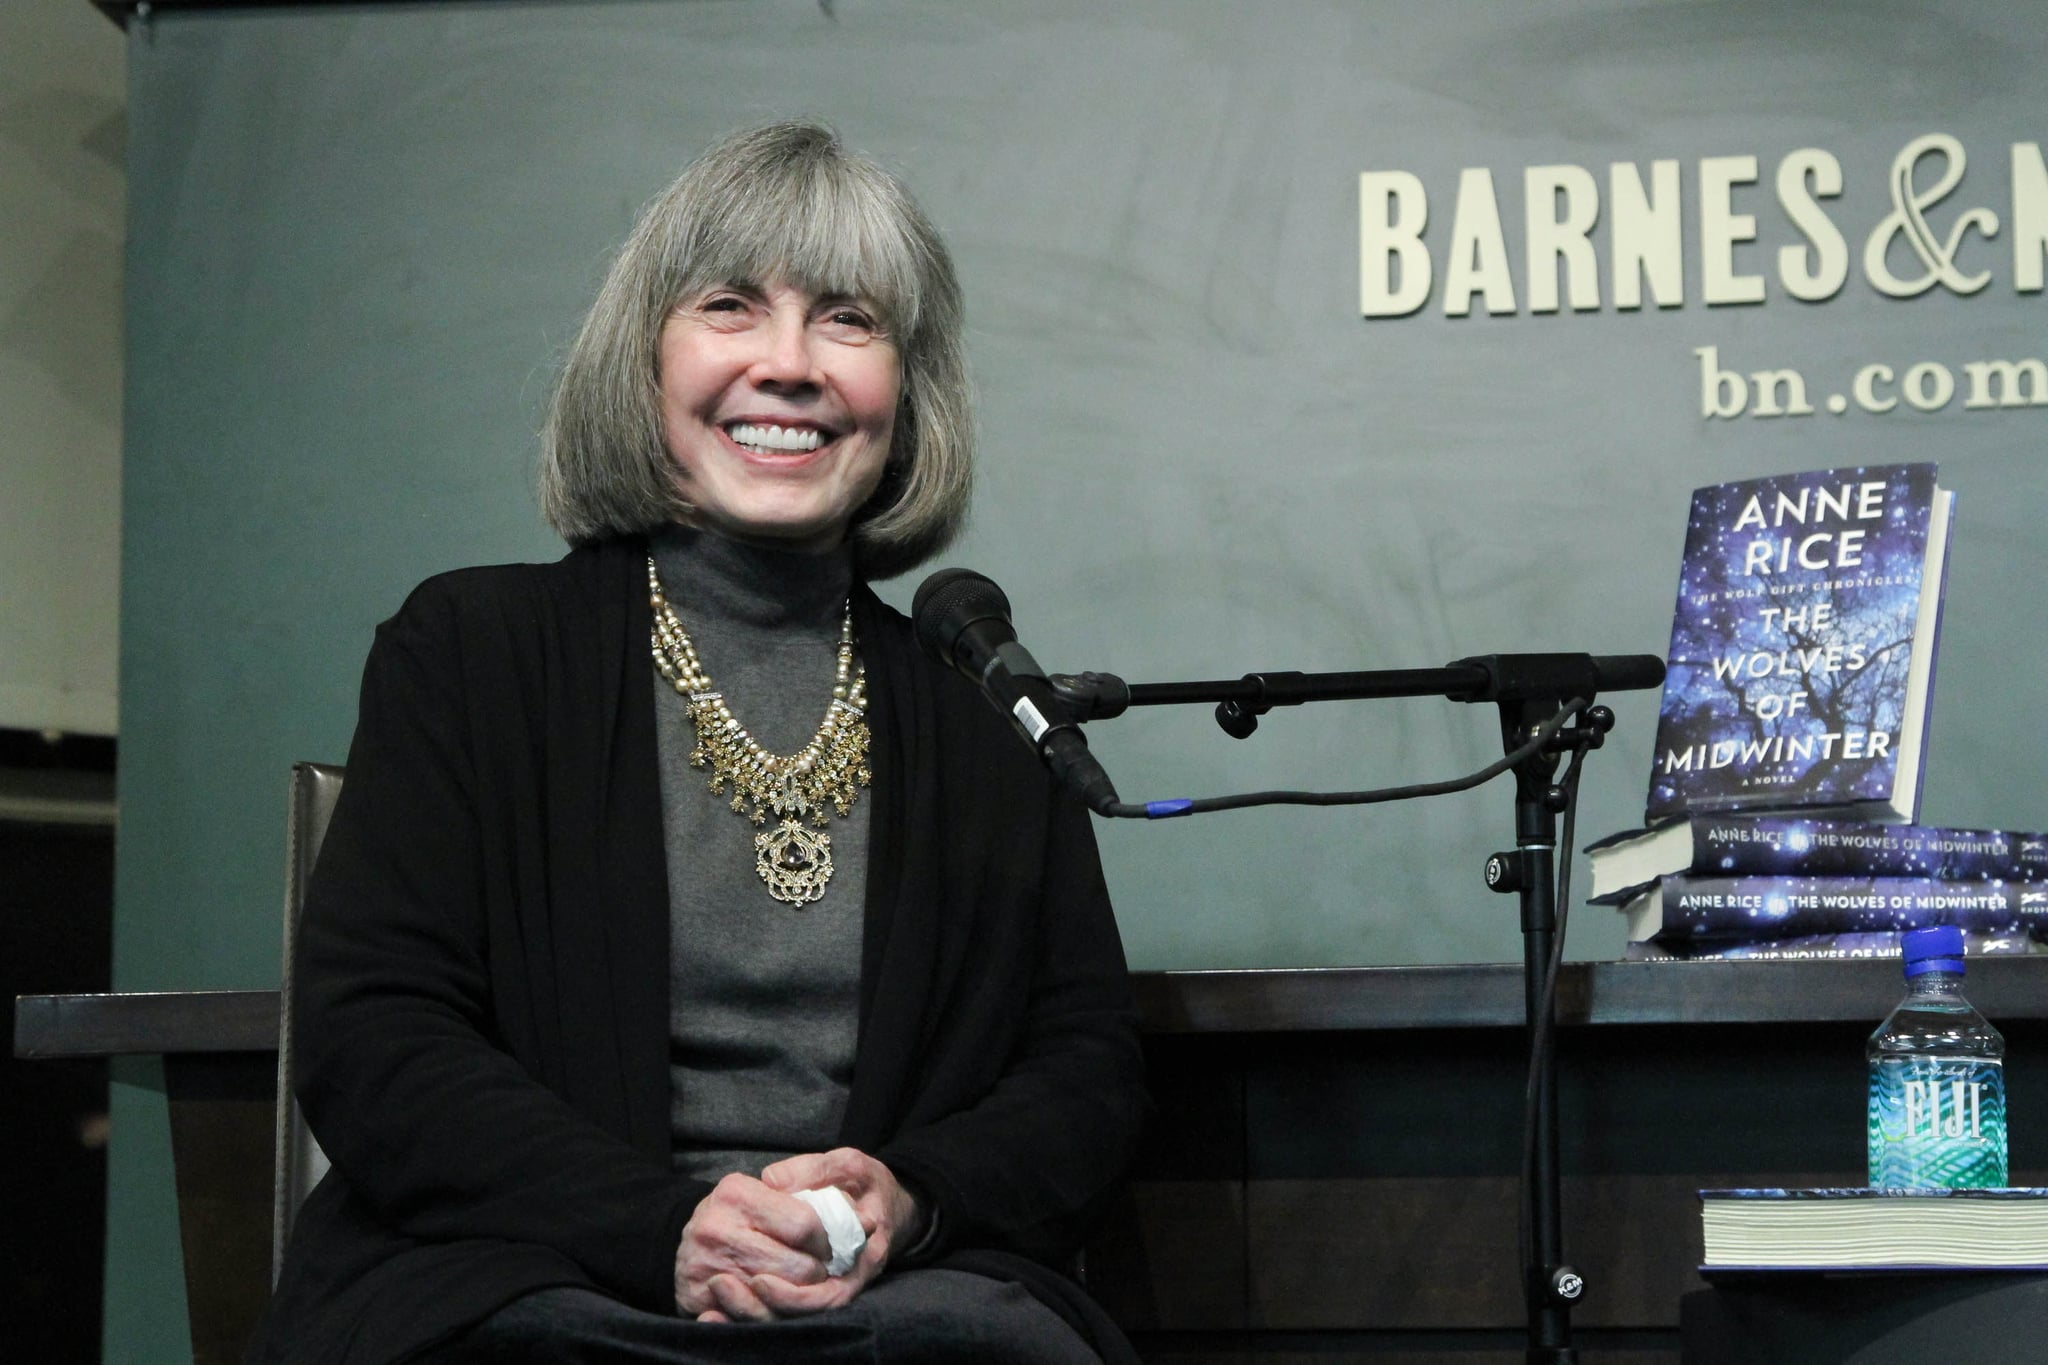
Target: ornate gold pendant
(795, 862)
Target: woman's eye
(852, 320)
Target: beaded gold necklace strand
(795, 862)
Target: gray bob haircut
(783, 203)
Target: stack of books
(1792, 735)
(1789, 887)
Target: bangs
(816, 224)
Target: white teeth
(763, 437)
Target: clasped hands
(752, 1251)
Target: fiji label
(1937, 1123)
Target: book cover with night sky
(1802, 647)
(1882, 944)
(1750, 844)
(1703, 909)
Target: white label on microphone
(1027, 716)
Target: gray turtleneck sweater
(764, 996)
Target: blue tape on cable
(1161, 810)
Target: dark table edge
(144, 1022)
(1588, 993)
(1269, 1000)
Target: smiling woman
(778, 408)
(782, 206)
(833, 1061)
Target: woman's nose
(786, 357)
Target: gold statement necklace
(795, 862)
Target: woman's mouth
(766, 438)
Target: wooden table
(1333, 1168)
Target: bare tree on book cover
(1827, 654)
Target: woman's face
(778, 407)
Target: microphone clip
(1091, 696)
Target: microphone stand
(1549, 1286)
(1530, 690)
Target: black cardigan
(482, 988)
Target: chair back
(300, 1162)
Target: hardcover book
(1764, 845)
(1694, 909)
(1878, 943)
(1802, 647)
(1844, 1229)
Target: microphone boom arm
(1480, 678)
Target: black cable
(1161, 810)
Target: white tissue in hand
(842, 1226)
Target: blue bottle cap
(1935, 949)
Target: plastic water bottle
(1937, 1079)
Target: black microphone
(963, 621)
